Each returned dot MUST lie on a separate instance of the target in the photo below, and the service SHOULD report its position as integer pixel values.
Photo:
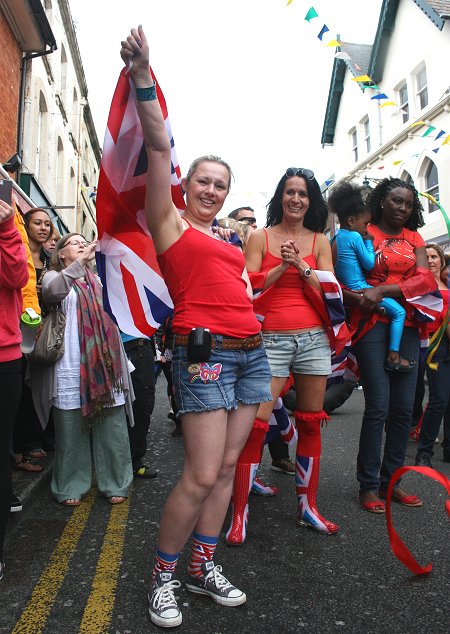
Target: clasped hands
(291, 255)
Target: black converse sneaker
(215, 585)
(163, 608)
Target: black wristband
(146, 94)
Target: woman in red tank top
(217, 396)
(282, 258)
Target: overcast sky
(245, 79)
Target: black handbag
(49, 346)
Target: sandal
(116, 499)
(25, 464)
(390, 366)
(71, 502)
(399, 496)
(372, 506)
(36, 453)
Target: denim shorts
(228, 378)
(303, 353)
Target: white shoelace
(220, 581)
(164, 596)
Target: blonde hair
(209, 158)
(242, 230)
(56, 264)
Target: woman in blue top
(354, 254)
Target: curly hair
(347, 200)
(317, 214)
(375, 198)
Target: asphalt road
(87, 570)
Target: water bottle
(29, 324)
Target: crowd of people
(259, 322)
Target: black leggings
(10, 391)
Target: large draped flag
(134, 291)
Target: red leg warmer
(251, 452)
(308, 427)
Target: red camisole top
(289, 308)
(203, 275)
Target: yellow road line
(98, 612)
(35, 615)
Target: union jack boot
(307, 481)
(243, 480)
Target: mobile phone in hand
(6, 190)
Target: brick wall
(9, 90)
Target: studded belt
(227, 343)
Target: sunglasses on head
(248, 220)
(299, 171)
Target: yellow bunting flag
(417, 123)
(387, 103)
(397, 162)
(362, 78)
(334, 43)
(289, 2)
(446, 140)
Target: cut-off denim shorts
(228, 378)
(302, 353)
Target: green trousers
(72, 470)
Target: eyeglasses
(248, 220)
(300, 171)
(76, 243)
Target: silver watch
(307, 272)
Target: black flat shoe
(145, 472)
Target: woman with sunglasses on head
(220, 382)
(281, 260)
(88, 386)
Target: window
(422, 88)
(75, 113)
(63, 75)
(41, 141)
(406, 176)
(403, 99)
(354, 143)
(366, 133)
(432, 184)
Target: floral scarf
(100, 367)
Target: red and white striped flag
(134, 291)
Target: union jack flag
(134, 291)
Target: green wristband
(146, 94)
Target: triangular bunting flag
(380, 95)
(334, 43)
(364, 78)
(446, 140)
(323, 30)
(417, 123)
(431, 129)
(387, 103)
(438, 136)
(312, 13)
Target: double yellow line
(98, 611)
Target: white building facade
(60, 150)
(372, 140)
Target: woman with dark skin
(401, 272)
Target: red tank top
(289, 308)
(203, 275)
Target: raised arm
(163, 219)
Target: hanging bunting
(417, 123)
(323, 30)
(388, 103)
(380, 95)
(334, 43)
(441, 209)
(363, 78)
(438, 136)
(312, 13)
(289, 2)
(431, 129)
(446, 140)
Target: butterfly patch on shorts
(204, 372)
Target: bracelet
(146, 94)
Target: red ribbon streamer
(398, 547)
